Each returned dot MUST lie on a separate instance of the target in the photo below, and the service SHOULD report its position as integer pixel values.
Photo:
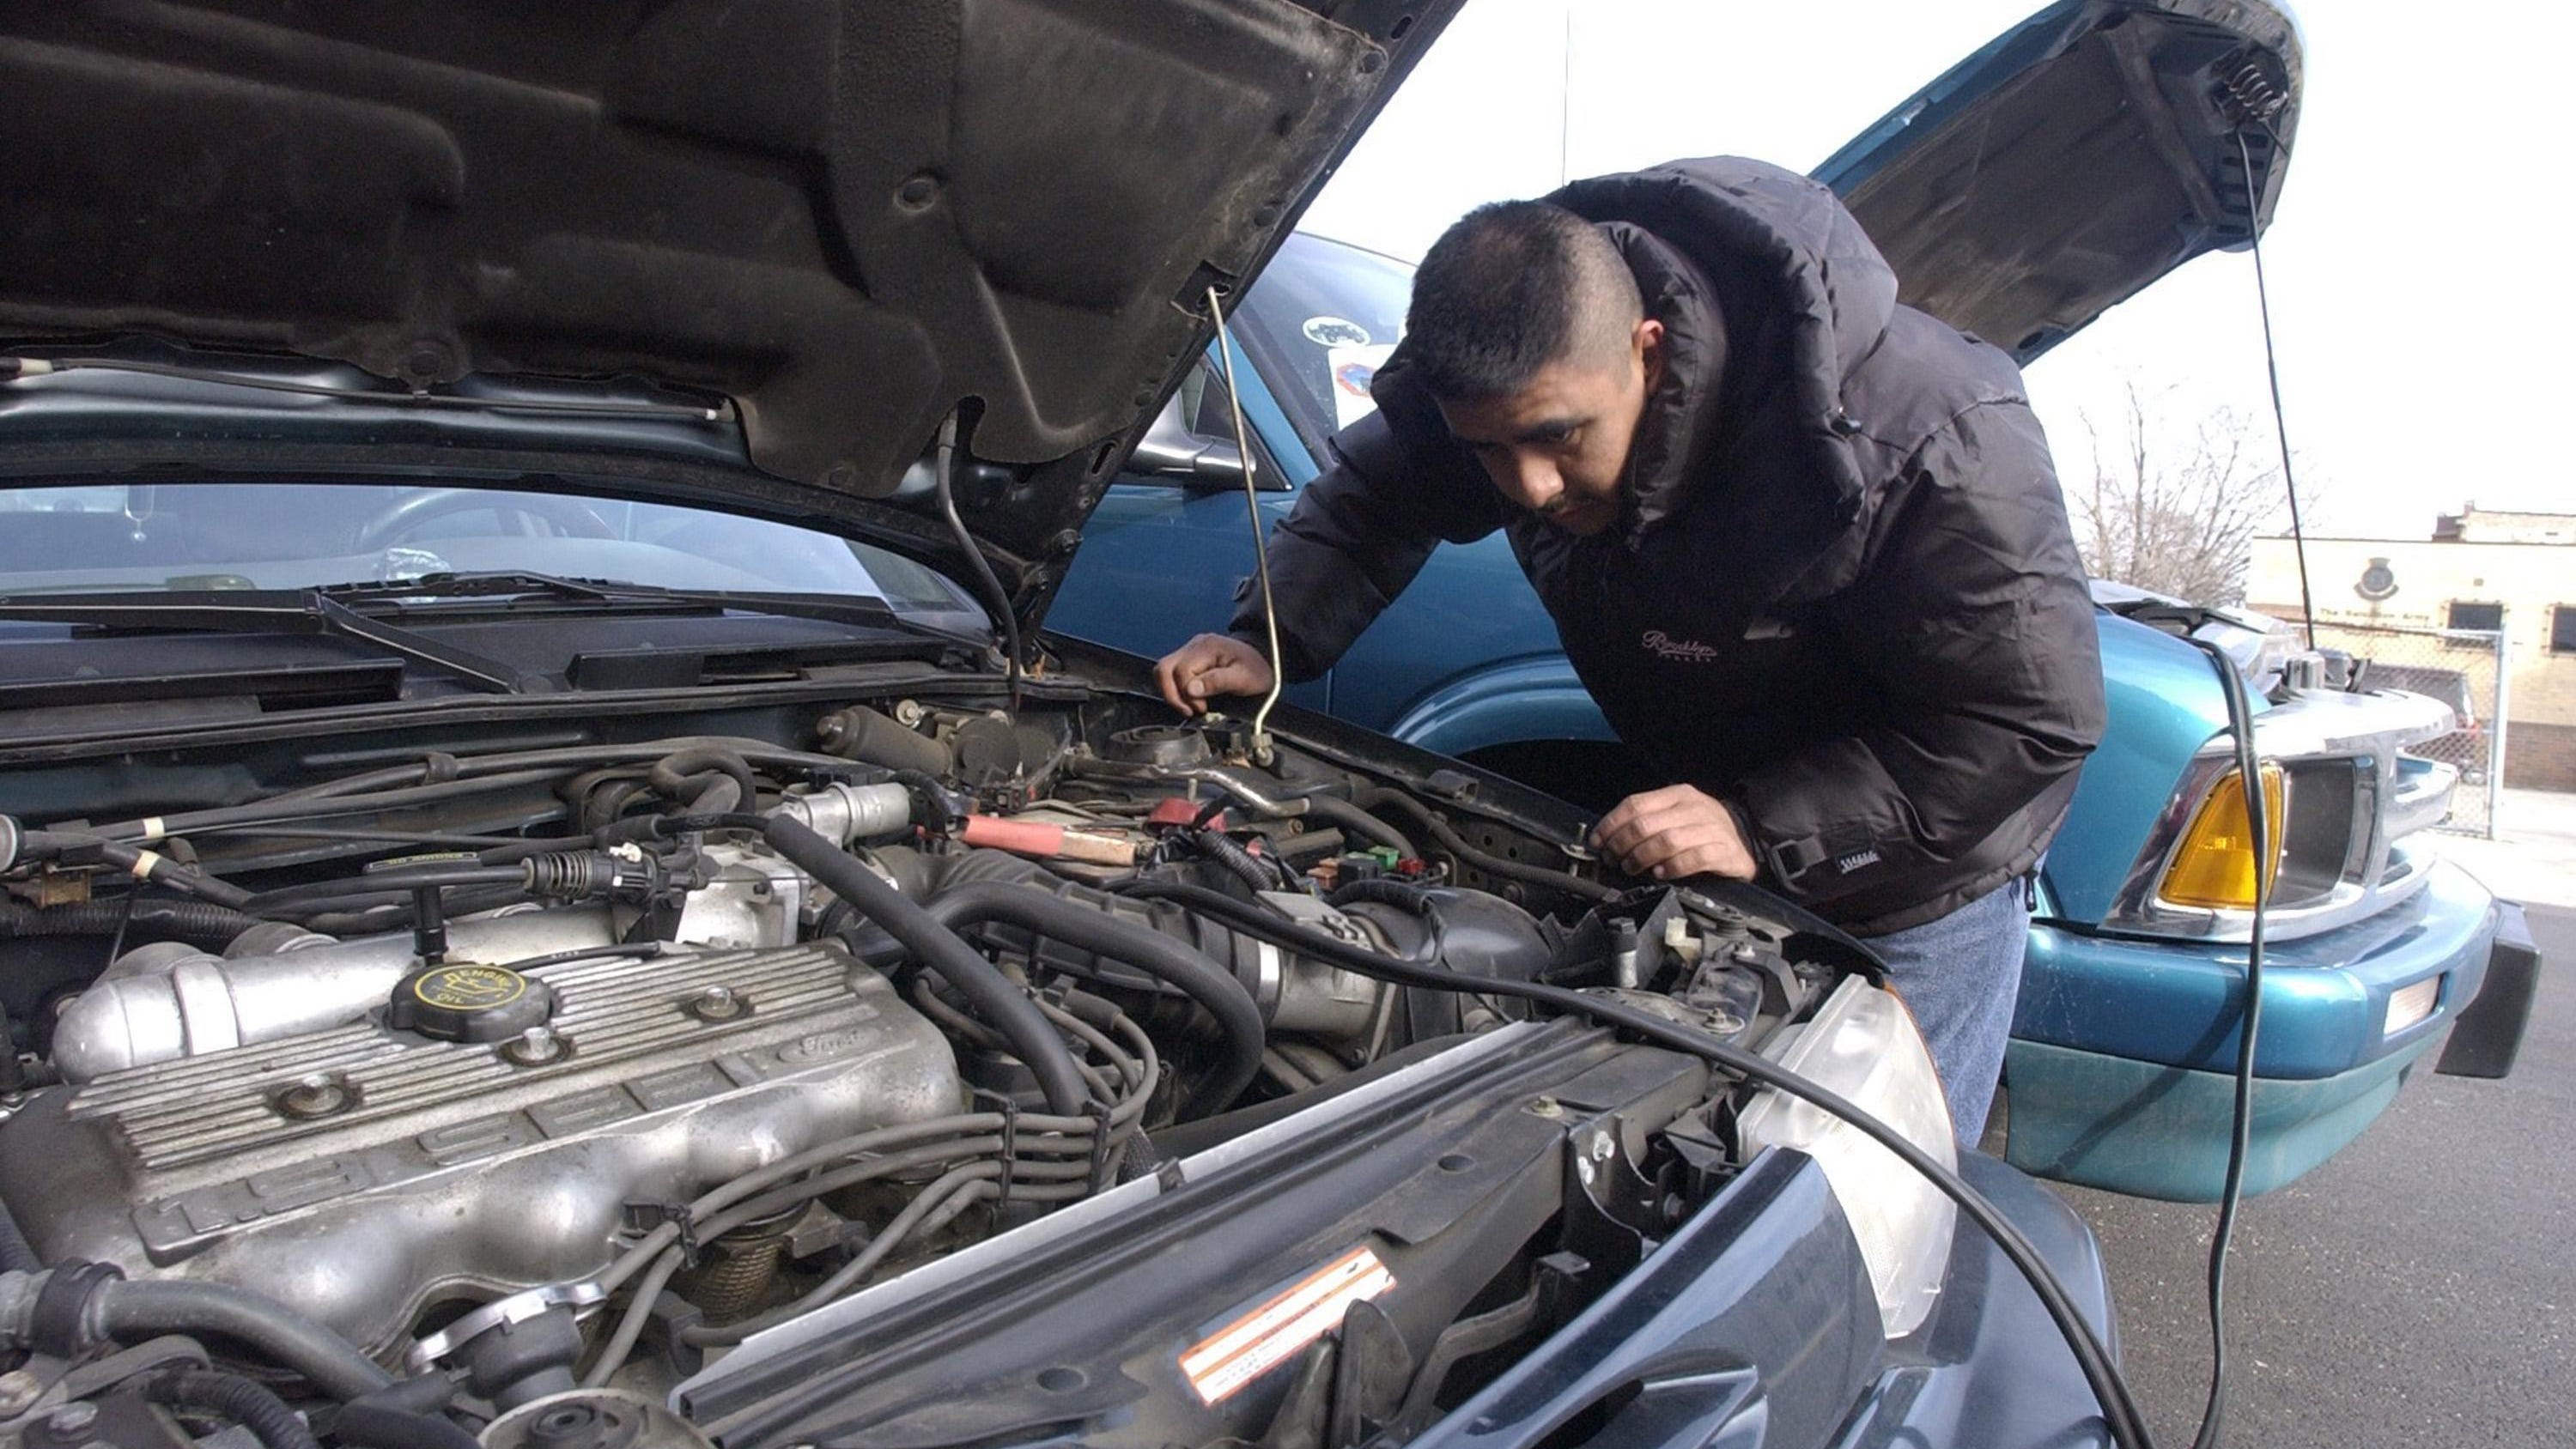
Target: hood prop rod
(1261, 752)
(994, 596)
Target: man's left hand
(1677, 831)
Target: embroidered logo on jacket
(1689, 651)
(1849, 863)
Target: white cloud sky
(2418, 261)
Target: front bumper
(2121, 1069)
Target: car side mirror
(1170, 450)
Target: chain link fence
(2463, 668)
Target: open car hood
(854, 220)
(2082, 155)
(850, 217)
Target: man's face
(1559, 447)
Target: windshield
(303, 535)
(1323, 316)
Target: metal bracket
(426, 1354)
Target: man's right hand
(1209, 665)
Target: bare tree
(2176, 509)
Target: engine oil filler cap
(470, 1003)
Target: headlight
(2213, 867)
(1862, 1045)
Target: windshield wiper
(308, 611)
(12, 368)
(863, 610)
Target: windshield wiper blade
(309, 611)
(859, 609)
(18, 367)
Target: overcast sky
(2419, 269)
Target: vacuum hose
(943, 952)
(1130, 943)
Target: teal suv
(2121, 1069)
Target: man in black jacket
(1802, 543)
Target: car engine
(523, 1070)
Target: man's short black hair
(1510, 288)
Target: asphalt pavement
(2419, 1289)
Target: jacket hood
(851, 218)
(1771, 263)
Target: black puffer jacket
(1844, 596)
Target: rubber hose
(13, 1080)
(236, 1398)
(1493, 865)
(199, 923)
(681, 777)
(151, 1306)
(945, 954)
(1133, 944)
(1411, 899)
(1355, 821)
(371, 1426)
(873, 737)
(17, 1255)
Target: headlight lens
(1862, 1045)
(2213, 867)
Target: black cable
(299, 899)
(2240, 722)
(2272, 366)
(1355, 821)
(2119, 1409)
(230, 1396)
(1224, 852)
(1493, 865)
(199, 923)
(150, 865)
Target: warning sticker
(1354, 368)
(1280, 1329)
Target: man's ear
(1647, 342)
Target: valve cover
(363, 1174)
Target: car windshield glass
(1318, 322)
(304, 535)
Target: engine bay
(450, 1077)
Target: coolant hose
(942, 951)
(249, 1404)
(686, 776)
(144, 1307)
(1129, 943)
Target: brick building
(2481, 569)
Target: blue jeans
(1959, 976)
